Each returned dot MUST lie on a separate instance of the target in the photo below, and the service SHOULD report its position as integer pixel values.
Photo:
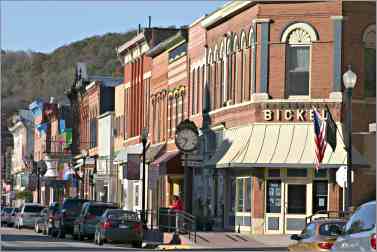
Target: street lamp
(144, 139)
(349, 80)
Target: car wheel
(79, 236)
(61, 233)
(96, 237)
(54, 232)
(137, 244)
(74, 236)
(100, 240)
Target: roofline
(232, 7)
(180, 36)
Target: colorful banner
(61, 126)
(42, 128)
(68, 136)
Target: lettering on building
(291, 114)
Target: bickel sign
(291, 114)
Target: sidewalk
(229, 240)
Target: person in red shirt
(177, 206)
(177, 203)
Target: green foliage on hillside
(27, 75)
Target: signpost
(341, 180)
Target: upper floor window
(369, 41)
(298, 38)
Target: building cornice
(224, 12)
(138, 38)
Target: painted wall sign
(290, 114)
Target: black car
(52, 210)
(85, 223)
(63, 219)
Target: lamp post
(144, 139)
(349, 80)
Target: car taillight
(373, 241)
(107, 225)
(325, 245)
(137, 227)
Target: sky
(46, 25)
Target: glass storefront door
(243, 203)
(295, 207)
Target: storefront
(265, 177)
(169, 170)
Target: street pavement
(27, 240)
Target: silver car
(359, 233)
(28, 214)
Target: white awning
(121, 157)
(278, 145)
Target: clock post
(187, 140)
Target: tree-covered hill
(27, 75)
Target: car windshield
(33, 209)
(123, 215)
(7, 210)
(328, 229)
(73, 205)
(98, 210)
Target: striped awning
(278, 145)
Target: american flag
(319, 138)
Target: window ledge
(299, 97)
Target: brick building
(52, 149)
(262, 67)
(137, 104)
(90, 96)
(169, 106)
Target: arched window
(243, 64)
(229, 50)
(298, 37)
(221, 73)
(369, 41)
(251, 37)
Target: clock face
(186, 140)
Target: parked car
(62, 222)
(318, 235)
(91, 212)
(27, 215)
(41, 222)
(120, 226)
(5, 215)
(51, 213)
(13, 216)
(359, 233)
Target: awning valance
(161, 162)
(277, 145)
(153, 151)
(121, 157)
